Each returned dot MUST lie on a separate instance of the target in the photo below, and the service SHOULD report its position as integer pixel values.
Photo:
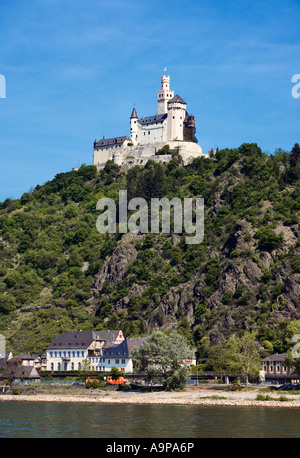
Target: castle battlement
(172, 125)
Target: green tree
(245, 353)
(85, 367)
(240, 356)
(268, 239)
(294, 158)
(7, 303)
(167, 354)
(115, 373)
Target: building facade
(172, 125)
(274, 370)
(66, 352)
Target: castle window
(148, 132)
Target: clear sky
(74, 70)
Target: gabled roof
(20, 372)
(82, 339)
(153, 119)
(124, 349)
(275, 357)
(177, 99)
(25, 356)
(110, 141)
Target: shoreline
(200, 397)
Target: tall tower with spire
(164, 95)
(134, 127)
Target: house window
(123, 361)
(108, 361)
(52, 366)
(72, 366)
(117, 361)
(123, 369)
(58, 366)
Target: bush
(268, 239)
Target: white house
(67, 351)
(118, 355)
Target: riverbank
(209, 396)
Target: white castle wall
(139, 155)
(153, 133)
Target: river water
(61, 420)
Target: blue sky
(74, 69)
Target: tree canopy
(164, 354)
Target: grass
(266, 397)
(272, 389)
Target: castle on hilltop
(172, 125)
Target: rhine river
(77, 420)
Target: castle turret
(164, 95)
(134, 127)
(176, 117)
(189, 128)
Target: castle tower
(134, 127)
(164, 95)
(176, 118)
(189, 128)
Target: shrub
(268, 239)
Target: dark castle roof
(134, 113)
(177, 99)
(110, 141)
(153, 119)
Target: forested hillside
(57, 273)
